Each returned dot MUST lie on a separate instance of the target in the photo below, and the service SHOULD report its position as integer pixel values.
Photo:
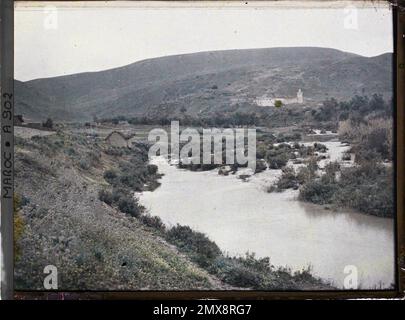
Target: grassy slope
(93, 245)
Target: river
(240, 216)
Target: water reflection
(240, 217)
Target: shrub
(153, 222)
(304, 174)
(152, 169)
(245, 272)
(371, 140)
(84, 164)
(287, 180)
(110, 175)
(319, 191)
(70, 151)
(105, 196)
(129, 205)
(320, 147)
(277, 157)
(114, 151)
(202, 250)
(117, 194)
(261, 151)
(277, 161)
(331, 168)
(367, 188)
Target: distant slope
(204, 82)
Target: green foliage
(320, 147)
(278, 103)
(285, 137)
(153, 221)
(106, 196)
(115, 151)
(277, 157)
(129, 205)
(84, 164)
(245, 272)
(110, 176)
(123, 199)
(319, 191)
(368, 188)
(288, 180)
(202, 250)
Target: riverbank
(77, 213)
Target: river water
(240, 216)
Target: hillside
(75, 210)
(94, 246)
(202, 83)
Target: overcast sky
(69, 40)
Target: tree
(278, 103)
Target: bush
(245, 272)
(277, 157)
(277, 161)
(114, 151)
(84, 164)
(367, 188)
(319, 191)
(320, 147)
(304, 175)
(261, 150)
(129, 205)
(287, 180)
(106, 197)
(331, 168)
(202, 250)
(153, 222)
(152, 169)
(110, 175)
(117, 194)
(370, 140)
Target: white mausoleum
(270, 101)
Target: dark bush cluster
(288, 180)
(319, 191)
(134, 174)
(202, 250)
(124, 201)
(367, 188)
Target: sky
(53, 39)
